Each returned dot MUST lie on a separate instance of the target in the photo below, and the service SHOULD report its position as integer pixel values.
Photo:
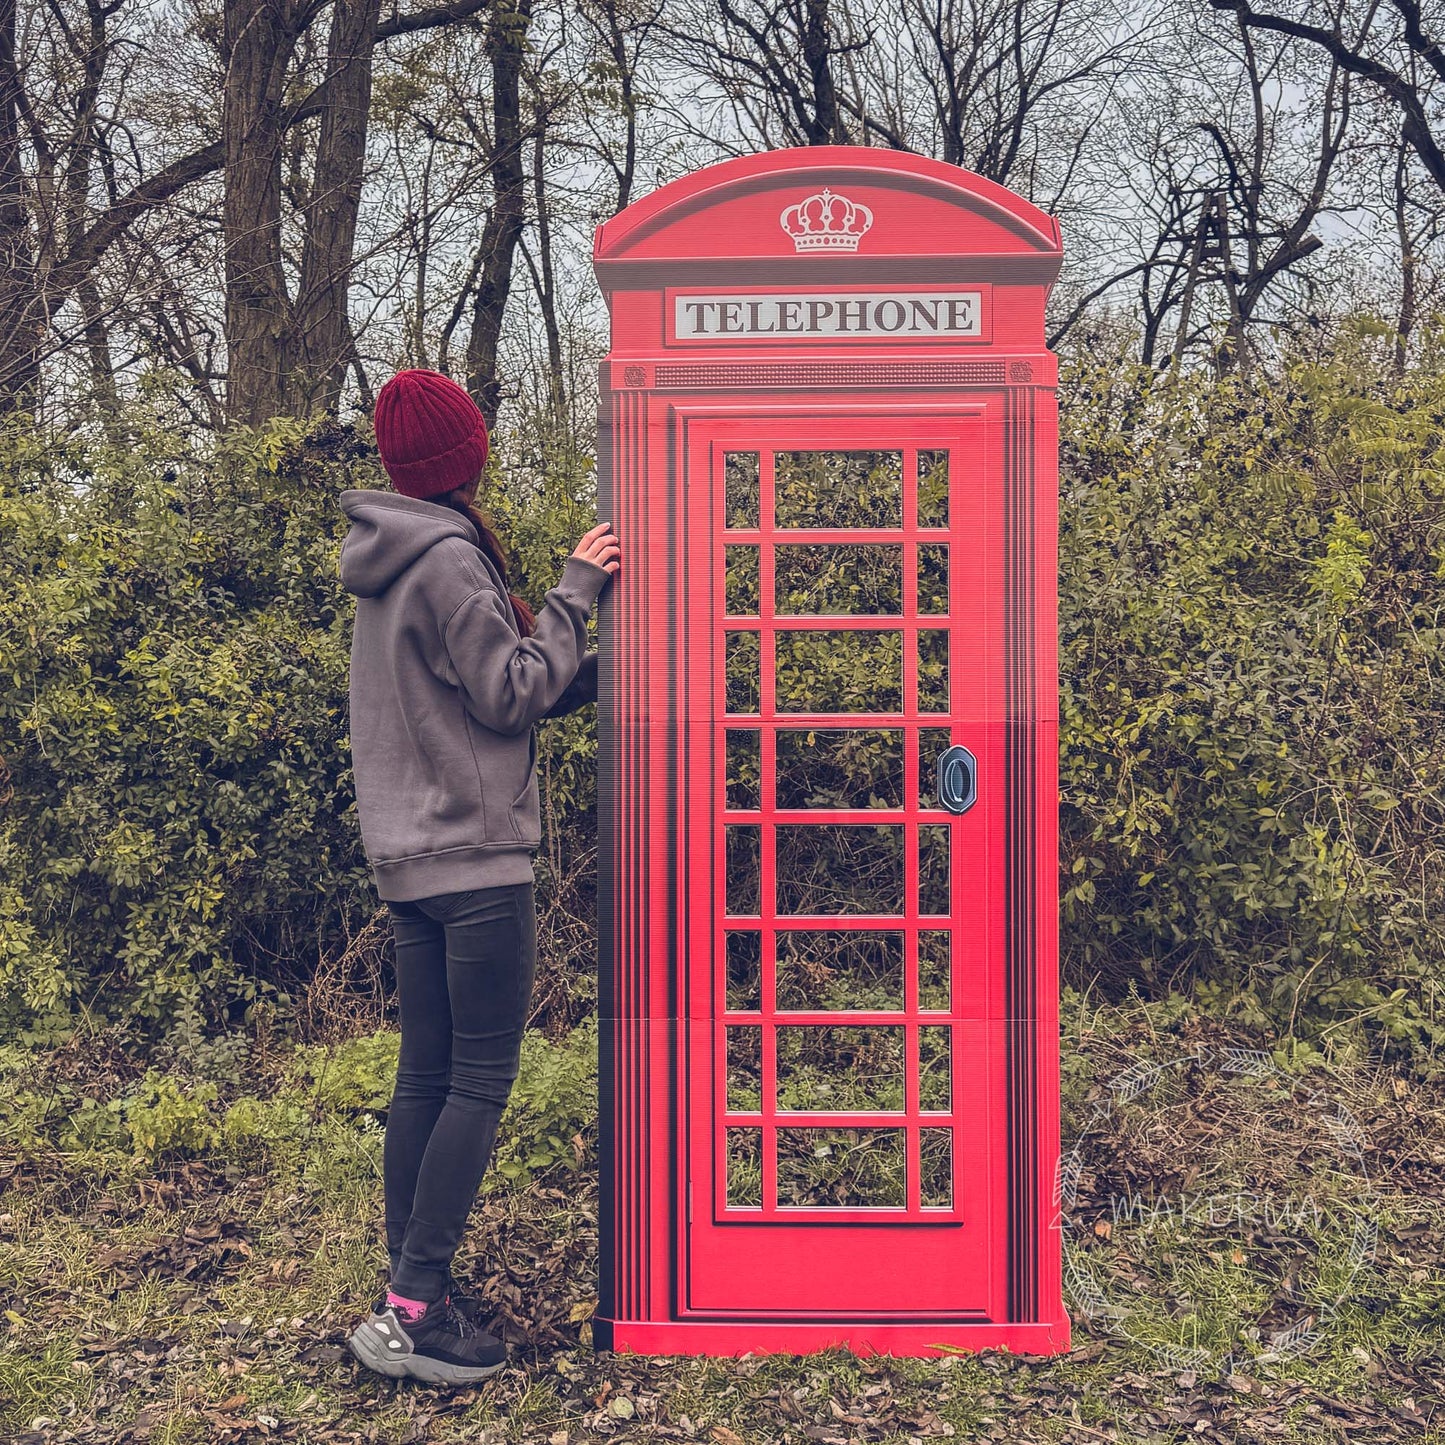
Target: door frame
(698, 740)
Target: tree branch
(1416, 128)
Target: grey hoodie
(444, 692)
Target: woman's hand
(601, 548)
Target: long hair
(491, 546)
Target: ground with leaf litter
(1253, 1253)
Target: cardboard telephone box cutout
(829, 1042)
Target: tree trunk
(97, 346)
(1406, 316)
(611, 28)
(826, 127)
(321, 333)
(21, 316)
(545, 279)
(260, 39)
(506, 40)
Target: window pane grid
(909, 1124)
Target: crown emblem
(826, 222)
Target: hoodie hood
(388, 533)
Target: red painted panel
(892, 1158)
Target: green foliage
(325, 1108)
(553, 1107)
(256, 1131)
(1252, 720)
(357, 1075)
(173, 639)
(165, 1117)
(174, 673)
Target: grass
(207, 1299)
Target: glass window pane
(740, 582)
(840, 868)
(745, 1067)
(934, 981)
(934, 1065)
(933, 670)
(840, 768)
(745, 970)
(840, 1066)
(849, 672)
(740, 485)
(933, 579)
(933, 846)
(744, 1166)
(744, 768)
(838, 580)
(933, 489)
(854, 968)
(841, 1168)
(935, 1148)
(932, 744)
(744, 670)
(838, 489)
(744, 868)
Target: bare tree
(1375, 47)
(1008, 80)
(323, 338)
(22, 318)
(1264, 217)
(261, 38)
(506, 47)
(56, 232)
(1228, 162)
(623, 29)
(775, 61)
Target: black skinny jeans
(465, 963)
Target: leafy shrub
(264, 1130)
(165, 1117)
(173, 720)
(1252, 719)
(552, 1111)
(1252, 729)
(356, 1075)
(174, 672)
(95, 1126)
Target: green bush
(164, 1117)
(175, 654)
(1252, 725)
(174, 673)
(1253, 717)
(357, 1075)
(258, 1131)
(552, 1113)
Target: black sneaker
(441, 1347)
(471, 1305)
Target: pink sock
(410, 1310)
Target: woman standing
(449, 671)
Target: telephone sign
(828, 798)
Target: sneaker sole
(370, 1345)
(439, 1372)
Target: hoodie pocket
(525, 809)
(504, 765)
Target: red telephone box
(829, 992)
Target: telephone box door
(844, 1081)
(827, 796)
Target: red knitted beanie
(431, 434)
